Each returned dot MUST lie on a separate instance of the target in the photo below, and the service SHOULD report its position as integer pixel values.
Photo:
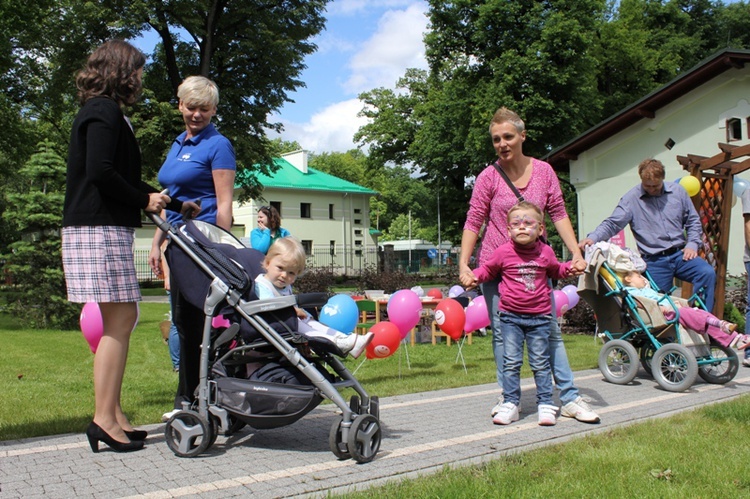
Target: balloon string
(360, 365)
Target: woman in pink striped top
(491, 200)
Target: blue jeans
(561, 371)
(664, 269)
(174, 338)
(747, 310)
(534, 331)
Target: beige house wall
(696, 123)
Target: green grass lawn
(47, 387)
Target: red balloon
(385, 341)
(450, 317)
(435, 293)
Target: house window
(734, 129)
(307, 245)
(305, 210)
(277, 205)
(357, 221)
(357, 210)
(358, 242)
(358, 232)
(330, 212)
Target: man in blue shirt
(667, 231)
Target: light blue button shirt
(658, 223)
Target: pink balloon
(92, 325)
(561, 302)
(477, 316)
(404, 310)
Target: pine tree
(34, 263)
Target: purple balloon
(571, 292)
(455, 291)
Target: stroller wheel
(364, 438)
(674, 367)
(618, 362)
(188, 434)
(647, 353)
(338, 446)
(375, 406)
(355, 405)
(723, 368)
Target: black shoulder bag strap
(507, 181)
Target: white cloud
(396, 45)
(330, 130)
(380, 61)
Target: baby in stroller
(697, 319)
(285, 261)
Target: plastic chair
(367, 309)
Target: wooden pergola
(714, 206)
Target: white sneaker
(165, 417)
(496, 409)
(360, 343)
(547, 415)
(579, 410)
(507, 414)
(746, 362)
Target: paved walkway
(423, 432)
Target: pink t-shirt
(524, 270)
(492, 198)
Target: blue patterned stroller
(256, 370)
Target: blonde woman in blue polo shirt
(200, 166)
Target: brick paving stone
(422, 434)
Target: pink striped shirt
(492, 198)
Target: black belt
(666, 252)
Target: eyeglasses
(523, 223)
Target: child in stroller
(696, 319)
(285, 261)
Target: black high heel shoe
(95, 435)
(136, 434)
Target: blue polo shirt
(188, 170)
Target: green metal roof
(289, 177)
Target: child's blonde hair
(289, 248)
(526, 205)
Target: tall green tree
(34, 261)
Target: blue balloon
(739, 186)
(340, 313)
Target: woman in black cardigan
(103, 202)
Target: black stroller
(256, 370)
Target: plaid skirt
(99, 265)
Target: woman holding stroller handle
(491, 199)
(269, 229)
(104, 197)
(200, 166)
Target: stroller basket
(265, 405)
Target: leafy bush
(390, 282)
(315, 280)
(735, 300)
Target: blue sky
(366, 44)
